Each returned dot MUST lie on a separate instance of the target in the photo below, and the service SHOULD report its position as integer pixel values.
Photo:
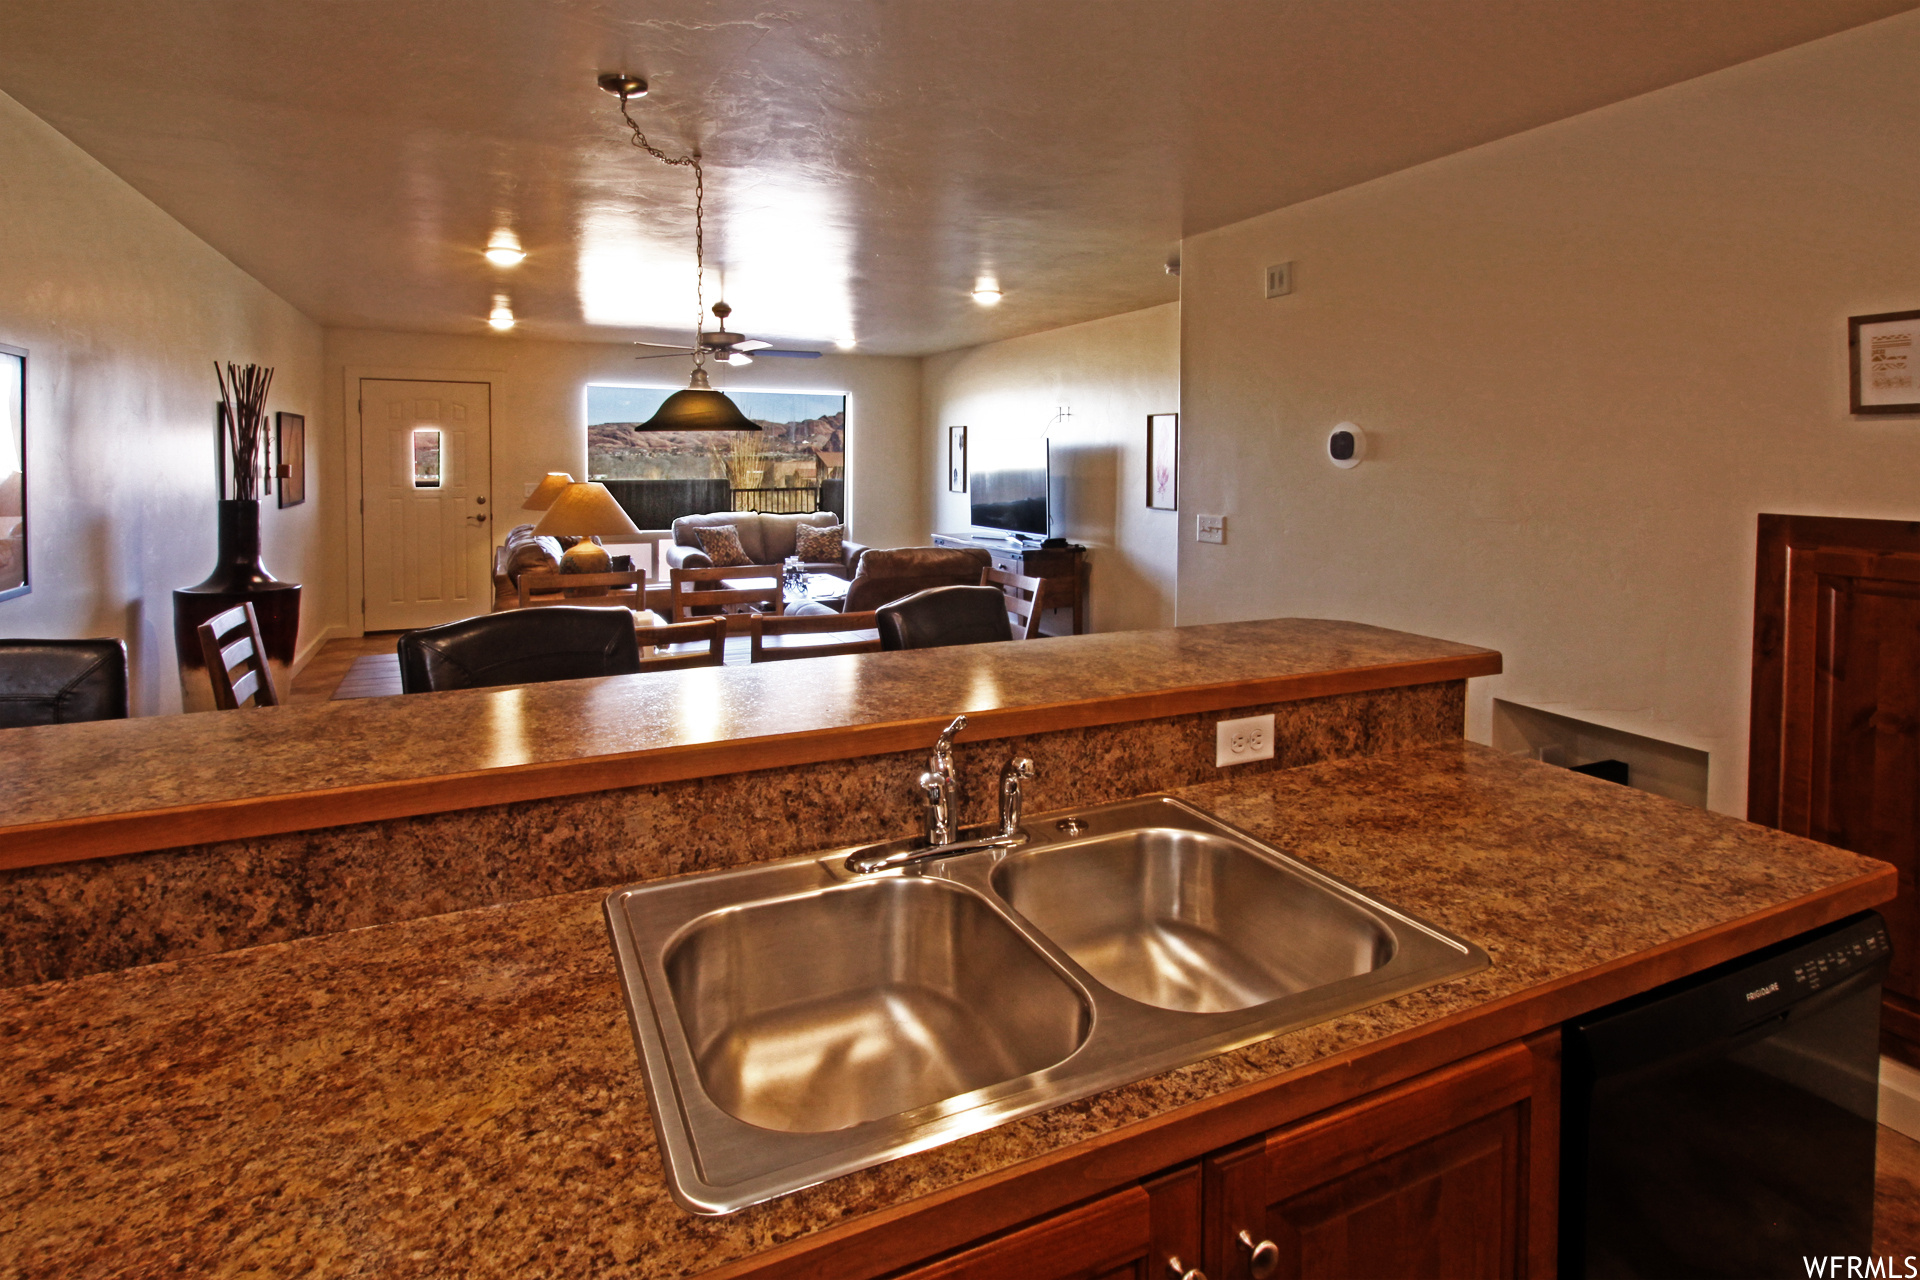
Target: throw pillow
(818, 543)
(721, 542)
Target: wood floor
(1896, 1197)
(321, 677)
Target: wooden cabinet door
(1129, 1234)
(1453, 1174)
(1835, 747)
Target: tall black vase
(238, 577)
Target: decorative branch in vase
(243, 423)
(238, 577)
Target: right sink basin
(1190, 920)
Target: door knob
(1263, 1259)
(1180, 1271)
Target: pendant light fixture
(699, 407)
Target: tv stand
(1062, 571)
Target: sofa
(767, 539)
(884, 576)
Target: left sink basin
(818, 1012)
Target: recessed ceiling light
(506, 255)
(845, 344)
(501, 317)
(987, 295)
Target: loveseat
(767, 539)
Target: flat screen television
(1007, 480)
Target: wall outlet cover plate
(1243, 741)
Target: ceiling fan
(725, 347)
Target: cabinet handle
(1180, 1271)
(1262, 1258)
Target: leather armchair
(521, 646)
(766, 538)
(944, 616)
(62, 681)
(888, 575)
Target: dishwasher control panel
(1810, 973)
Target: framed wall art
(1163, 461)
(956, 459)
(1883, 357)
(14, 580)
(290, 446)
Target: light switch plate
(1243, 741)
(1279, 280)
(1210, 528)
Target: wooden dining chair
(760, 626)
(230, 642)
(1023, 600)
(690, 591)
(709, 631)
(538, 587)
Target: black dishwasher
(1724, 1125)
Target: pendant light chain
(691, 161)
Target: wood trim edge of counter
(112, 835)
(900, 1235)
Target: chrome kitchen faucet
(939, 788)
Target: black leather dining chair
(942, 616)
(519, 646)
(62, 681)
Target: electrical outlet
(1279, 279)
(1243, 741)
(1209, 528)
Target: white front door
(427, 532)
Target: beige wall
(1111, 374)
(1587, 357)
(123, 312)
(540, 408)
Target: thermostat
(1346, 445)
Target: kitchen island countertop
(460, 1095)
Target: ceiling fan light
(698, 408)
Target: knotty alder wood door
(1835, 736)
(1452, 1174)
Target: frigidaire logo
(1767, 990)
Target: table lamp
(546, 491)
(585, 511)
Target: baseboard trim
(303, 656)
(1900, 1097)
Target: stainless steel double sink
(797, 1021)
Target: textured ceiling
(866, 161)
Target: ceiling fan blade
(751, 344)
(797, 355)
(665, 347)
(665, 355)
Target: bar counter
(97, 790)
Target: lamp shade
(585, 510)
(546, 491)
(698, 408)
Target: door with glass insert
(427, 528)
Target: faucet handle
(1012, 773)
(945, 744)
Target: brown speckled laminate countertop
(459, 1096)
(95, 790)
